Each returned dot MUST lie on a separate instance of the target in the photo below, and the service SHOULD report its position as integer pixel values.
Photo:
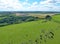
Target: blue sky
(29, 5)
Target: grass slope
(27, 33)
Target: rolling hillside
(29, 32)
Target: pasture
(34, 32)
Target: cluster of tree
(17, 19)
(12, 19)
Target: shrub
(48, 18)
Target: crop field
(40, 15)
(34, 32)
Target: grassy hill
(29, 32)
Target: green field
(29, 32)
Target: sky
(29, 5)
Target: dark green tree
(48, 17)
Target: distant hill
(24, 13)
(1, 12)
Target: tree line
(12, 19)
(16, 19)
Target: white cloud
(50, 5)
(14, 5)
(11, 4)
(58, 1)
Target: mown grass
(27, 33)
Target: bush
(48, 17)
